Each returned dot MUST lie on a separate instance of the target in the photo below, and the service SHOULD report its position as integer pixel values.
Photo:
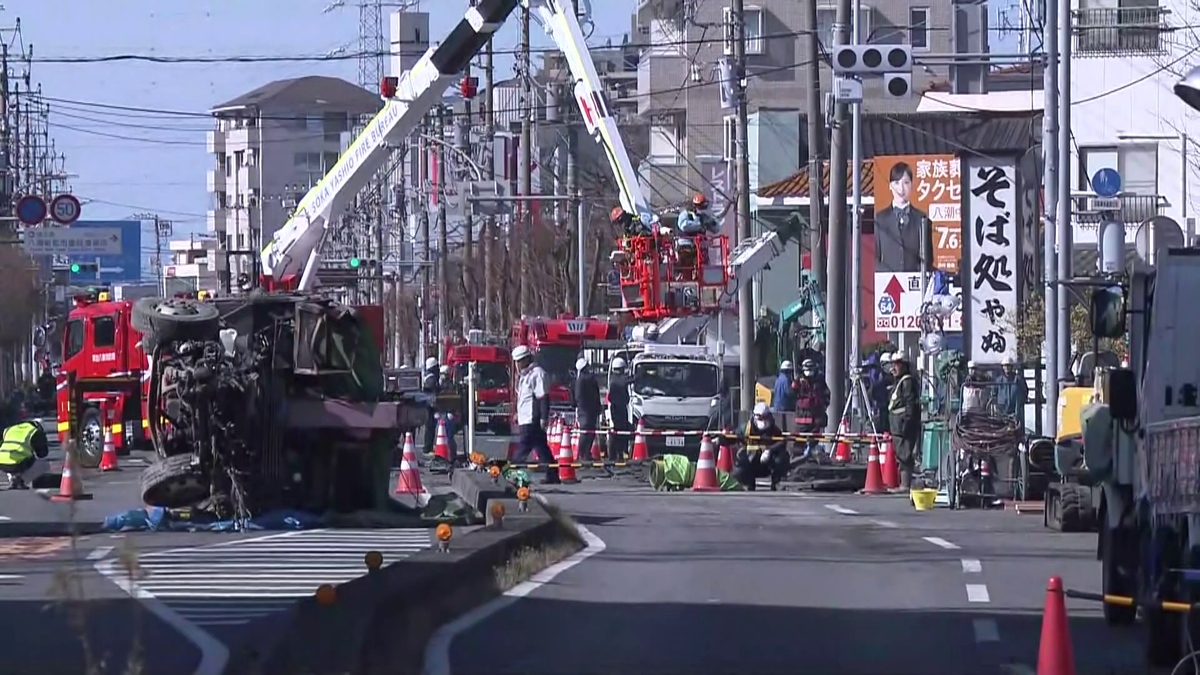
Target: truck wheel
(1117, 576)
(173, 483)
(161, 320)
(91, 439)
(1052, 511)
(1071, 509)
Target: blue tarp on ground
(158, 519)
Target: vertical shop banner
(993, 269)
(915, 192)
(719, 187)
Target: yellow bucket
(923, 499)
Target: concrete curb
(399, 606)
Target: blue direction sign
(32, 210)
(111, 268)
(1106, 183)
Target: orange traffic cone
(706, 469)
(596, 454)
(891, 470)
(441, 445)
(409, 482)
(566, 469)
(640, 451)
(842, 454)
(874, 483)
(108, 457)
(554, 439)
(1054, 653)
(571, 440)
(70, 488)
(725, 458)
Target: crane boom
(294, 250)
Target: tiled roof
(796, 185)
(314, 92)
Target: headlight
(714, 402)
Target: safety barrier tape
(1126, 601)
(729, 435)
(581, 465)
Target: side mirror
(1106, 312)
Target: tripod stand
(858, 388)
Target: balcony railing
(1112, 31)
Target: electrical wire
(985, 433)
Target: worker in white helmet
(764, 451)
(431, 384)
(1011, 390)
(533, 410)
(881, 391)
(618, 410)
(587, 406)
(783, 398)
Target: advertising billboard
(897, 306)
(992, 276)
(915, 194)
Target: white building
(269, 147)
(195, 264)
(1125, 60)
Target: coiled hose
(985, 433)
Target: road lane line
(838, 508)
(938, 541)
(971, 566)
(437, 650)
(986, 630)
(885, 523)
(977, 593)
(99, 553)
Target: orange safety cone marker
(409, 482)
(1054, 652)
(70, 488)
(108, 457)
(571, 440)
(706, 469)
(725, 458)
(566, 468)
(874, 482)
(891, 470)
(596, 454)
(554, 439)
(441, 446)
(842, 454)
(640, 452)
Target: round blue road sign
(1106, 183)
(31, 210)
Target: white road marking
(885, 523)
(5, 518)
(437, 651)
(838, 508)
(938, 541)
(11, 577)
(99, 553)
(977, 593)
(986, 630)
(971, 566)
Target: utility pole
(816, 136)
(1050, 156)
(463, 144)
(525, 230)
(575, 210)
(745, 293)
(835, 342)
(426, 258)
(1065, 248)
(856, 219)
(443, 303)
(489, 223)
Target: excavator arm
(293, 254)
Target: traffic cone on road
(566, 469)
(640, 452)
(70, 488)
(409, 482)
(596, 454)
(108, 457)
(555, 437)
(706, 469)
(874, 483)
(891, 470)
(842, 454)
(441, 445)
(1054, 652)
(725, 458)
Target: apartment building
(1126, 57)
(679, 78)
(269, 146)
(194, 265)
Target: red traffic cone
(891, 470)
(706, 469)
(555, 437)
(566, 469)
(842, 454)
(1054, 652)
(441, 445)
(725, 458)
(640, 451)
(108, 457)
(874, 483)
(70, 488)
(409, 482)
(596, 454)
(571, 438)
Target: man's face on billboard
(901, 190)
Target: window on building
(729, 137)
(1137, 164)
(74, 337)
(664, 141)
(222, 161)
(104, 331)
(918, 27)
(315, 123)
(825, 19)
(221, 200)
(328, 159)
(239, 159)
(335, 124)
(252, 157)
(753, 17)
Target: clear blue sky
(157, 162)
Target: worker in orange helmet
(694, 221)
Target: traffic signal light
(84, 268)
(872, 59)
(355, 263)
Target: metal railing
(1110, 31)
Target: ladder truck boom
(294, 251)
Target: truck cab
(492, 367)
(676, 388)
(556, 344)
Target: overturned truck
(268, 401)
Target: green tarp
(670, 473)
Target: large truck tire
(1118, 567)
(90, 447)
(1075, 508)
(162, 320)
(173, 483)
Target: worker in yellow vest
(904, 418)
(23, 452)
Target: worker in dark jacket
(783, 398)
(881, 391)
(904, 411)
(618, 410)
(431, 384)
(764, 451)
(23, 452)
(812, 401)
(587, 407)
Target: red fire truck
(556, 345)
(491, 357)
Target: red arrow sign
(587, 108)
(894, 289)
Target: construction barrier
(729, 435)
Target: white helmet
(970, 364)
(885, 357)
(786, 365)
(520, 352)
(761, 409)
(445, 370)
(617, 364)
(431, 363)
(580, 364)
